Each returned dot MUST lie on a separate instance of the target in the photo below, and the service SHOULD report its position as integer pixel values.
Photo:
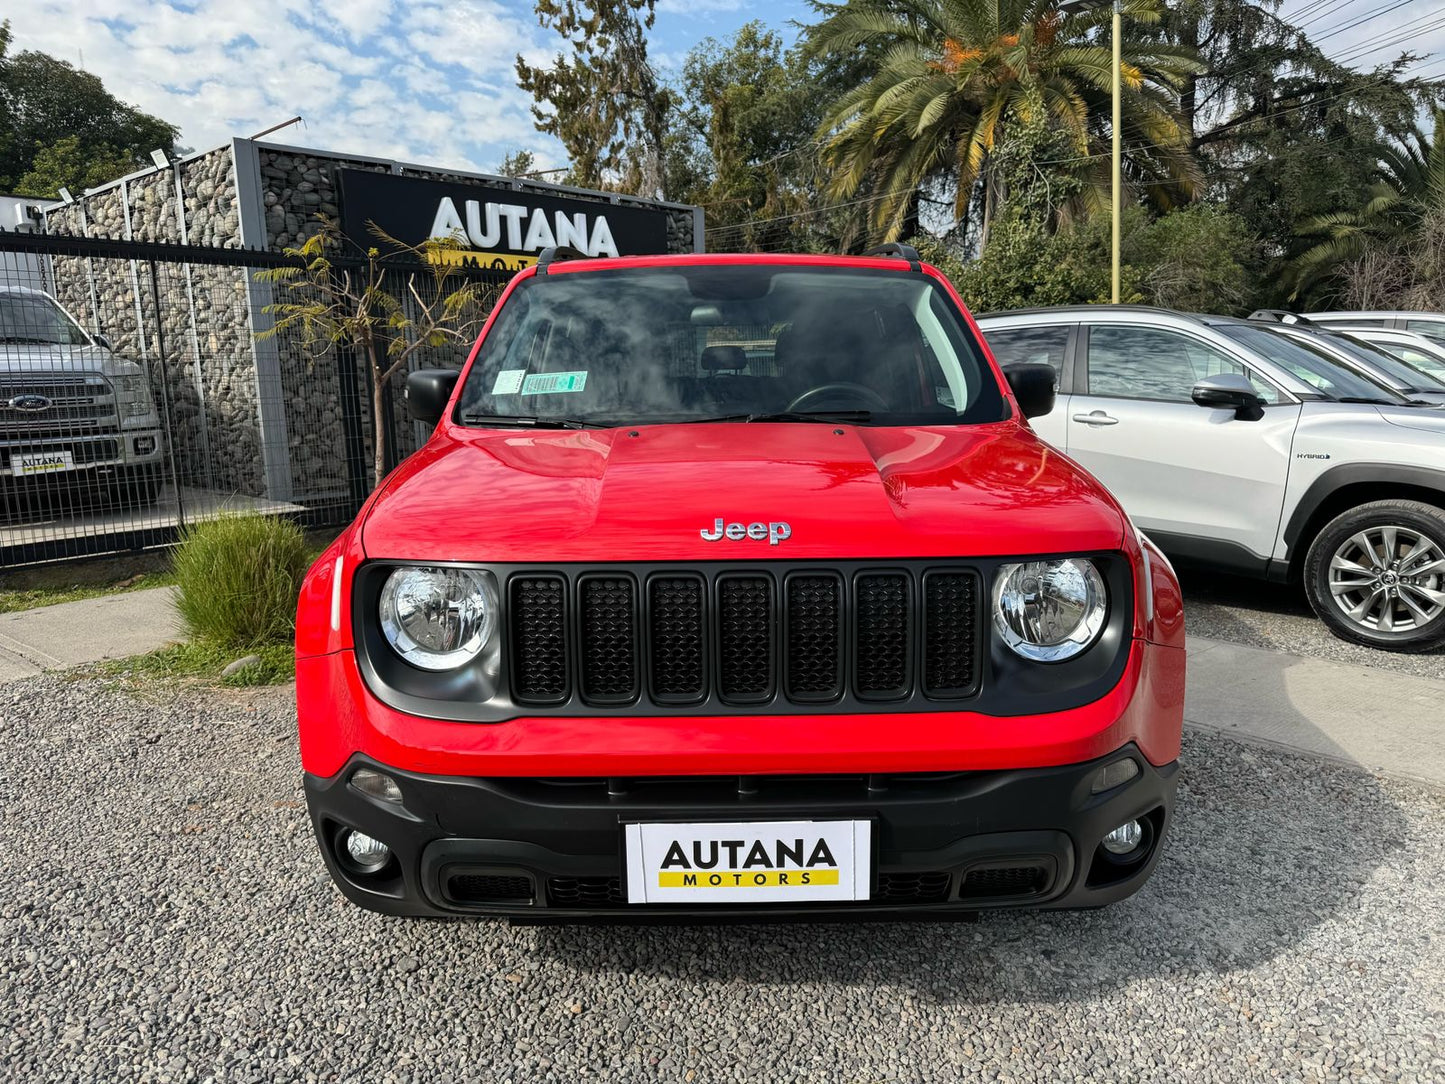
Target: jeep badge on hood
(774, 532)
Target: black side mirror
(1229, 391)
(428, 391)
(1033, 387)
(101, 339)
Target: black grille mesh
(605, 637)
(745, 637)
(585, 891)
(489, 887)
(675, 620)
(883, 633)
(539, 638)
(1004, 881)
(609, 639)
(950, 607)
(814, 636)
(912, 887)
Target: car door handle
(1097, 417)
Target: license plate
(748, 862)
(44, 462)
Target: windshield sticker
(508, 382)
(548, 383)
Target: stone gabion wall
(209, 371)
(205, 383)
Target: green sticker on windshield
(548, 383)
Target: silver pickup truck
(77, 423)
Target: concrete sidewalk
(73, 633)
(1377, 719)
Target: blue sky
(429, 81)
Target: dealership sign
(492, 226)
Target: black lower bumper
(551, 849)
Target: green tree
(1410, 190)
(385, 312)
(517, 164)
(59, 125)
(604, 101)
(949, 79)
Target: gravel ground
(167, 918)
(1272, 615)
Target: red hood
(602, 495)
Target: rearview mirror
(101, 339)
(428, 391)
(1033, 387)
(1229, 391)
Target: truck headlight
(1049, 611)
(438, 618)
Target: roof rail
(1281, 316)
(893, 248)
(551, 255)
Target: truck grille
(739, 637)
(77, 404)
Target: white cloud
(419, 80)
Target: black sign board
(498, 227)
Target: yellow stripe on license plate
(747, 878)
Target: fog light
(1114, 775)
(1124, 839)
(368, 854)
(144, 445)
(376, 785)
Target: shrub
(237, 579)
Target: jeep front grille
(740, 637)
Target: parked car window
(1434, 328)
(1150, 363)
(1353, 321)
(1432, 364)
(1309, 364)
(1400, 374)
(1030, 345)
(705, 342)
(34, 318)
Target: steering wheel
(809, 398)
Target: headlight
(131, 383)
(438, 618)
(1049, 611)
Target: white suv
(1252, 451)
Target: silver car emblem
(773, 533)
(30, 403)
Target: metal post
(165, 395)
(1118, 148)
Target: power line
(1375, 13)
(1390, 38)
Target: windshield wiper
(851, 417)
(530, 421)
(1373, 401)
(26, 339)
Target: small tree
(372, 303)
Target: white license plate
(748, 862)
(43, 462)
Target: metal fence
(144, 387)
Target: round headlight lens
(1049, 611)
(438, 618)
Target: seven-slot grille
(805, 635)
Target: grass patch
(237, 579)
(28, 598)
(205, 661)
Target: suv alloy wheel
(1376, 575)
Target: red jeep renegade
(737, 585)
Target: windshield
(708, 342)
(1399, 374)
(1310, 364)
(35, 318)
(1429, 360)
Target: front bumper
(550, 848)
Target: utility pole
(1118, 146)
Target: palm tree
(949, 78)
(1410, 189)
